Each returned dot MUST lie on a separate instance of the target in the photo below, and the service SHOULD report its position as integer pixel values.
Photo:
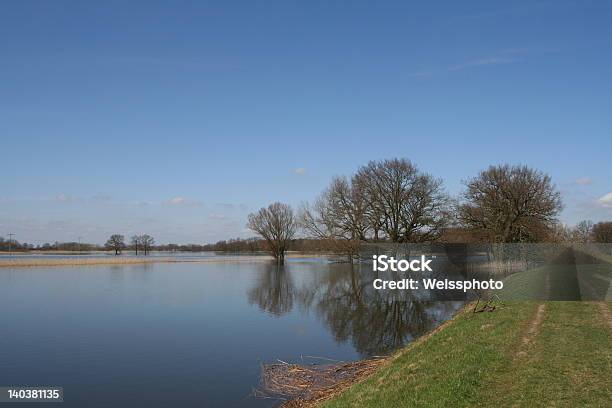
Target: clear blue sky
(178, 118)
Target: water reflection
(274, 291)
(343, 298)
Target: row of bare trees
(142, 243)
(585, 231)
(391, 200)
(394, 201)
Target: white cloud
(227, 206)
(65, 198)
(584, 181)
(176, 201)
(217, 216)
(605, 201)
(182, 201)
(300, 171)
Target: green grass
(525, 285)
(552, 282)
(569, 364)
(595, 281)
(473, 362)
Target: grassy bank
(523, 354)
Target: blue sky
(179, 118)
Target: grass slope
(474, 361)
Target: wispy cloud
(64, 198)
(584, 181)
(101, 197)
(232, 206)
(299, 171)
(182, 201)
(480, 62)
(227, 206)
(217, 216)
(176, 201)
(605, 201)
(501, 57)
(512, 11)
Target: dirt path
(604, 310)
(602, 305)
(532, 331)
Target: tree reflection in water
(343, 298)
(274, 291)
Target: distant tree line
(235, 245)
(392, 201)
(56, 246)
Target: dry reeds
(301, 385)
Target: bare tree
(602, 232)
(147, 242)
(405, 204)
(116, 243)
(135, 241)
(511, 203)
(583, 231)
(276, 225)
(338, 215)
(561, 233)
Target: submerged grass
(110, 260)
(19, 260)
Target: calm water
(190, 334)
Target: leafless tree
(147, 242)
(135, 241)
(583, 231)
(561, 233)
(602, 232)
(276, 225)
(511, 203)
(338, 216)
(405, 204)
(116, 242)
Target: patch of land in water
(17, 261)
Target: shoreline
(321, 396)
(119, 260)
(453, 365)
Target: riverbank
(522, 354)
(23, 263)
(30, 262)
(104, 258)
